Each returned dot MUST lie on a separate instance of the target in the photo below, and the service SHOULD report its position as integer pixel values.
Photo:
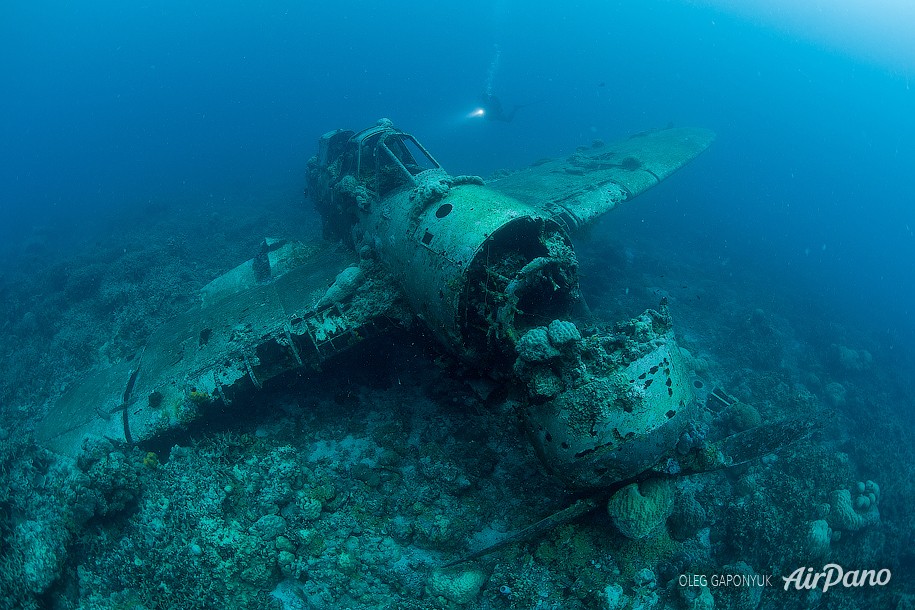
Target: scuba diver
(490, 106)
(492, 109)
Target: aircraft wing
(591, 182)
(284, 309)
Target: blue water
(110, 105)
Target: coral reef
(700, 598)
(852, 512)
(741, 416)
(349, 488)
(687, 519)
(851, 360)
(459, 585)
(616, 598)
(563, 332)
(639, 509)
(48, 503)
(745, 597)
(535, 346)
(819, 535)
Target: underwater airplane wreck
(488, 268)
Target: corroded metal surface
(593, 181)
(481, 267)
(248, 335)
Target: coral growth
(852, 512)
(460, 585)
(535, 346)
(640, 509)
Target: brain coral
(687, 519)
(639, 509)
(850, 514)
(818, 538)
(535, 346)
(458, 585)
(744, 416)
(561, 332)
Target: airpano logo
(833, 575)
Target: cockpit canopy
(352, 170)
(379, 158)
(387, 158)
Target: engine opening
(524, 275)
(545, 294)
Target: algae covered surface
(354, 485)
